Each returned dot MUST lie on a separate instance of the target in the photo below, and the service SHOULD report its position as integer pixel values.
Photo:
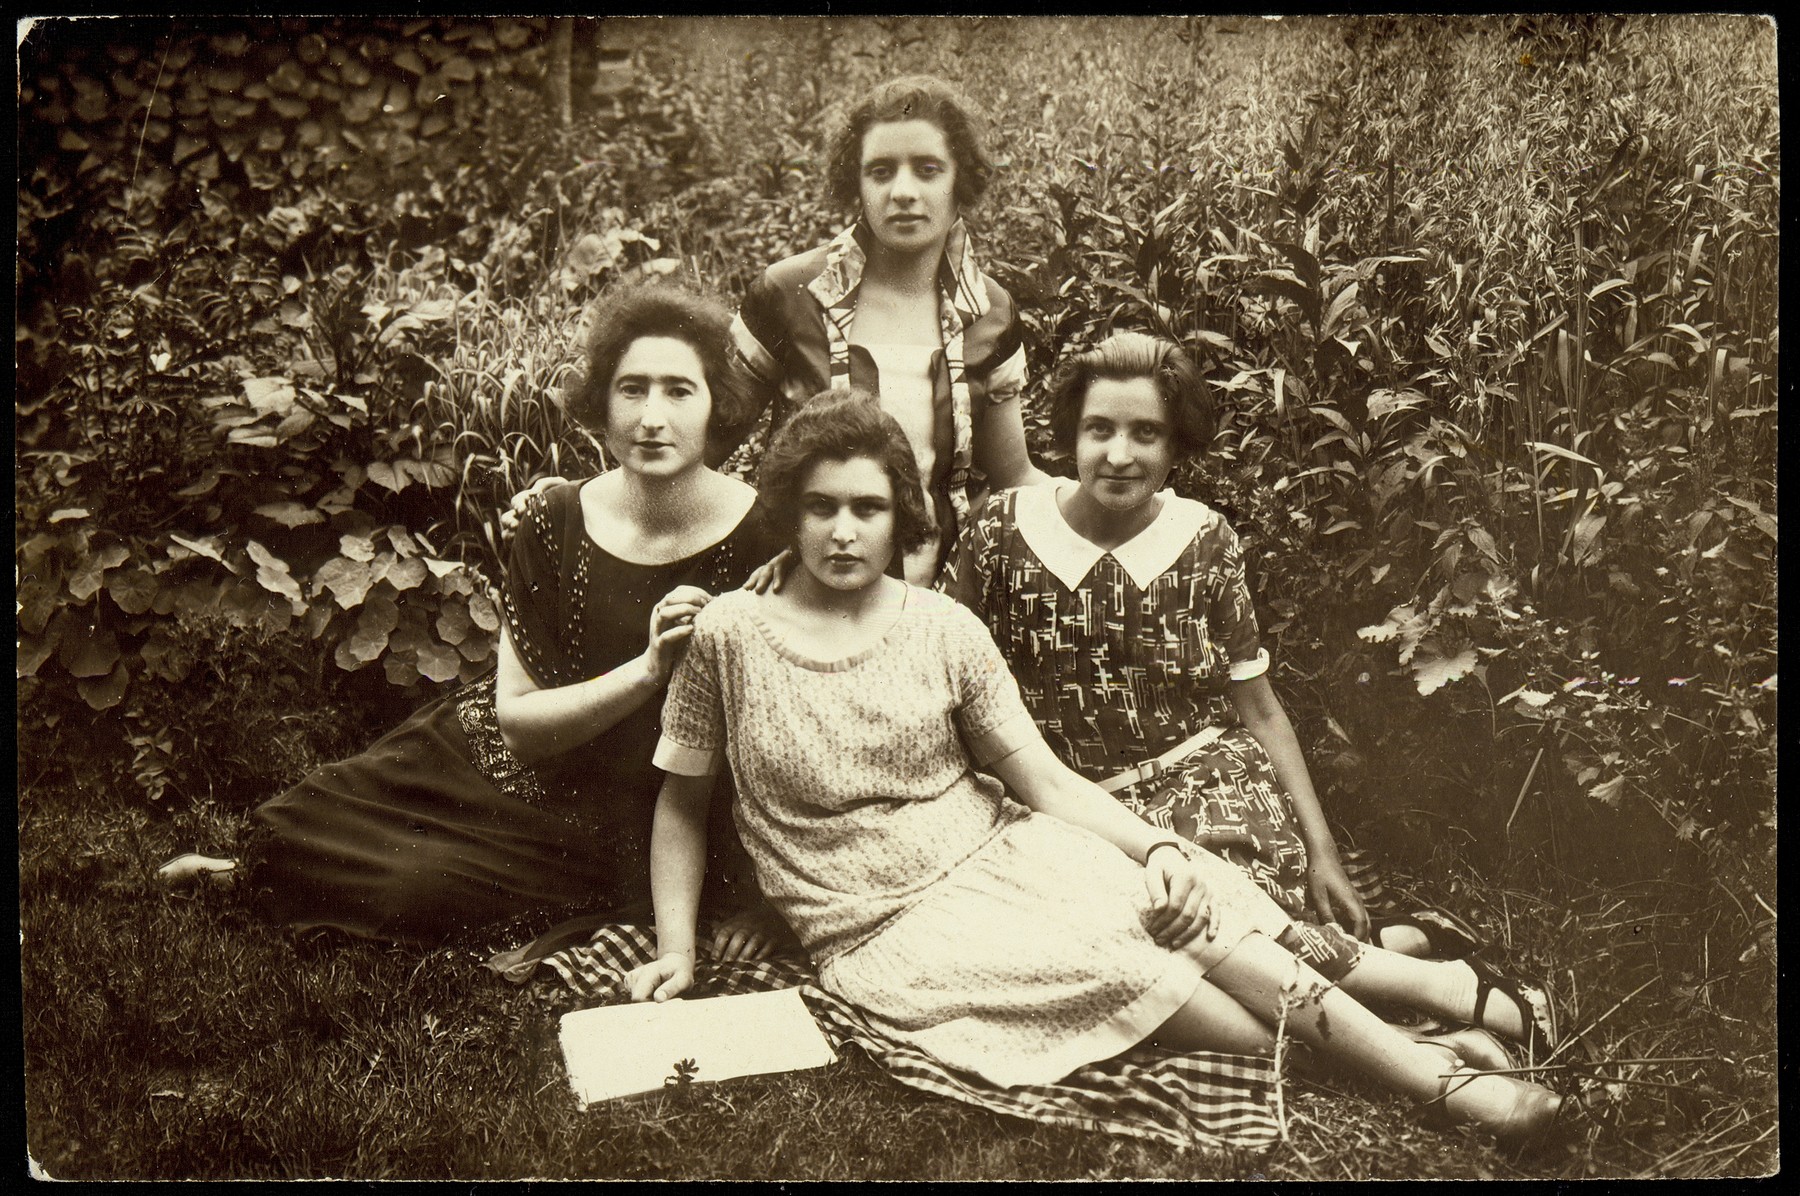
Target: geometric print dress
(1121, 655)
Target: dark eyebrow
(665, 379)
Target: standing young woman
(532, 790)
(1124, 612)
(896, 305)
(1014, 941)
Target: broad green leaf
(406, 574)
(1385, 402)
(1434, 672)
(106, 692)
(290, 513)
(1608, 792)
(88, 651)
(482, 611)
(357, 548)
(348, 580)
(133, 590)
(453, 623)
(272, 394)
(34, 650)
(272, 575)
(90, 571)
(386, 476)
(439, 662)
(66, 513)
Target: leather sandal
(1532, 1001)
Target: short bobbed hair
(842, 425)
(910, 97)
(629, 313)
(1124, 356)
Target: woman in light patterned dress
(1124, 613)
(1016, 928)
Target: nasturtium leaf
(34, 649)
(387, 477)
(442, 568)
(406, 574)
(290, 514)
(348, 580)
(476, 648)
(411, 635)
(400, 671)
(105, 692)
(88, 651)
(439, 662)
(133, 590)
(90, 570)
(453, 623)
(357, 548)
(483, 613)
(1434, 672)
(403, 543)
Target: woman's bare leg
(1263, 977)
(1445, 987)
(1213, 1021)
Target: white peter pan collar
(1069, 556)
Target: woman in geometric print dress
(1124, 613)
(529, 793)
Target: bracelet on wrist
(1175, 843)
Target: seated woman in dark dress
(529, 793)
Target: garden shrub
(1488, 303)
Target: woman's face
(908, 185)
(658, 408)
(1124, 447)
(846, 531)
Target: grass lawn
(173, 1036)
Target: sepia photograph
(845, 598)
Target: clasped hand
(1181, 905)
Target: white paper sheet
(621, 1049)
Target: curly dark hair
(1122, 357)
(910, 97)
(839, 425)
(636, 310)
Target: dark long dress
(438, 829)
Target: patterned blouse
(1120, 655)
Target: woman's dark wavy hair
(1122, 357)
(910, 97)
(840, 425)
(635, 310)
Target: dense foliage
(1489, 304)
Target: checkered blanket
(1201, 1099)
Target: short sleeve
(529, 600)
(996, 351)
(989, 713)
(1232, 616)
(693, 722)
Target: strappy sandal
(1533, 1002)
(191, 868)
(1446, 936)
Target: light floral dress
(1004, 942)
